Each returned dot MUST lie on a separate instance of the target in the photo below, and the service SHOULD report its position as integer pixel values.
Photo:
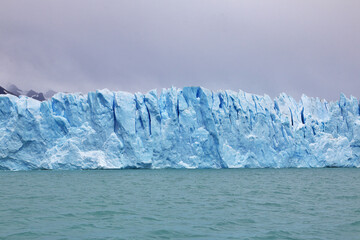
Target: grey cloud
(273, 46)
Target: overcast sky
(267, 46)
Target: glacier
(191, 127)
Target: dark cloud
(272, 46)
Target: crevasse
(180, 128)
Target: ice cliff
(179, 128)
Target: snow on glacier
(179, 128)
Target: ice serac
(179, 128)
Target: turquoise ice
(179, 128)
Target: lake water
(181, 204)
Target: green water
(181, 204)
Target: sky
(299, 47)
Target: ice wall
(179, 128)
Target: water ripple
(181, 204)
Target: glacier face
(179, 128)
